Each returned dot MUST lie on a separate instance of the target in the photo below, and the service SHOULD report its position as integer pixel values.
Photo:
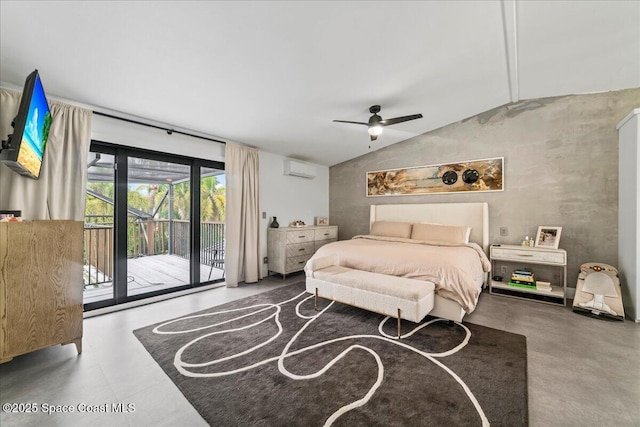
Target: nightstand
(546, 264)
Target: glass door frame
(121, 156)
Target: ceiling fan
(376, 124)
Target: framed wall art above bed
(469, 175)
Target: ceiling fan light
(375, 130)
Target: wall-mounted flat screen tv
(24, 149)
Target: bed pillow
(391, 229)
(441, 233)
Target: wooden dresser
(40, 286)
(289, 248)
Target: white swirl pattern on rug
(182, 366)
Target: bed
(400, 244)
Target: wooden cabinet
(40, 286)
(549, 265)
(289, 248)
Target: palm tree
(182, 200)
(212, 199)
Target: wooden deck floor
(152, 273)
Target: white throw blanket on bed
(453, 268)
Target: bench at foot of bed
(398, 297)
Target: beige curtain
(59, 193)
(242, 213)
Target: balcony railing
(147, 238)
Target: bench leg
(398, 323)
(315, 301)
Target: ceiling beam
(510, 30)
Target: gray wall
(561, 169)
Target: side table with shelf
(547, 264)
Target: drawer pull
(301, 249)
(525, 255)
(301, 237)
(326, 234)
(301, 262)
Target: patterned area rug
(272, 360)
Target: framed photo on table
(548, 237)
(322, 220)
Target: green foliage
(96, 210)
(154, 199)
(145, 198)
(212, 200)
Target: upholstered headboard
(475, 215)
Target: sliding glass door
(98, 229)
(154, 224)
(158, 219)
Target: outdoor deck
(152, 273)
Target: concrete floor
(582, 371)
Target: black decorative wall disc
(470, 176)
(449, 177)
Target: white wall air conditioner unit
(297, 168)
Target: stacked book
(543, 286)
(523, 279)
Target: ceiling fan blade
(355, 123)
(397, 120)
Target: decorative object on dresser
(538, 274)
(528, 242)
(548, 237)
(289, 248)
(322, 220)
(40, 286)
(274, 223)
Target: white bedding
(455, 269)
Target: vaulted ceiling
(275, 75)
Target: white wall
(290, 198)
(628, 217)
(133, 135)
